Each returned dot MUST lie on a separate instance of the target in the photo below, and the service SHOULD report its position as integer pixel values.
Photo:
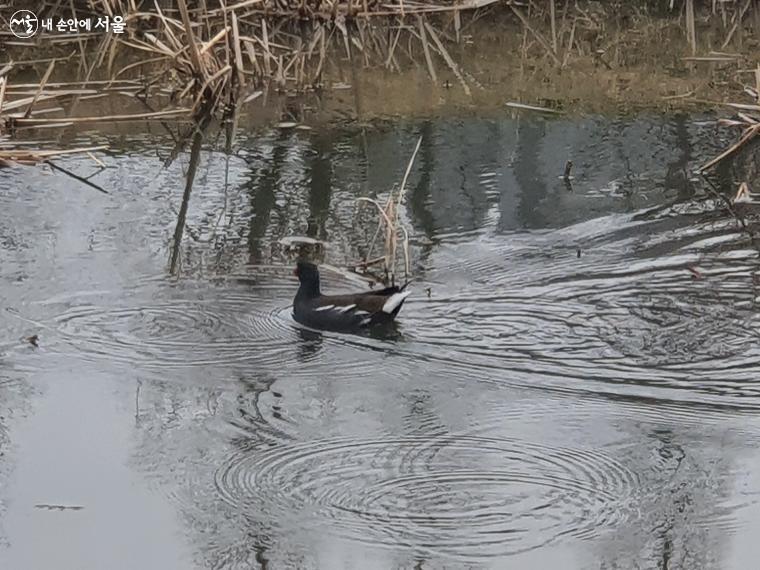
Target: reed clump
(189, 61)
(210, 56)
(391, 227)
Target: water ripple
(451, 495)
(177, 333)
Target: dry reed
(216, 56)
(392, 228)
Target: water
(567, 395)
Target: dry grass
(208, 56)
(211, 53)
(194, 61)
(392, 229)
(186, 61)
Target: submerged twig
(712, 190)
(54, 166)
(747, 136)
(179, 229)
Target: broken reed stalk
(3, 83)
(553, 17)
(44, 154)
(748, 134)
(238, 53)
(447, 58)
(691, 30)
(31, 157)
(157, 115)
(408, 170)
(390, 221)
(384, 211)
(536, 34)
(195, 57)
(426, 49)
(45, 77)
(737, 19)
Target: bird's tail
(394, 301)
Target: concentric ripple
(178, 333)
(227, 328)
(455, 495)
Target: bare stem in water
(390, 222)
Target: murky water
(567, 395)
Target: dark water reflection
(539, 408)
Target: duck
(350, 312)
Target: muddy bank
(499, 75)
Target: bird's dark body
(343, 312)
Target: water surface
(566, 393)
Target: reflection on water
(537, 407)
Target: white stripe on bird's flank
(365, 321)
(346, 308)
(325, 308)
(394, 301)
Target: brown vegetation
(208, 56)
(186, 61)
